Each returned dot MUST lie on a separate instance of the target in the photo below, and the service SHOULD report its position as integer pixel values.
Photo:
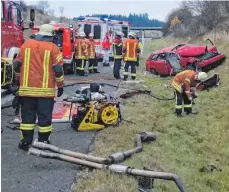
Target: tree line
(136, 20)
(194, 18)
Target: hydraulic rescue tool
(95, 110)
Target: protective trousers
(117, 67)
(131, 64)
(31, 108)
(106, 57)
(180, 99)
(93, 65)
(80, 65)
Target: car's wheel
(154, 72)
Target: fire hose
(108, 163)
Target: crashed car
(172, 60)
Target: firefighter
(131, 51)
(91, 54)
(182, 84)
(81, 53)
(117, 52)
(39, 66)
(106, 48)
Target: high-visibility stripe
(177, 86)
(187, 79)
(127, 50)
(27, 127)
(135, 50)
(45, 129)
(188, 106)
(26, 67)
(133, 74)
(125, 73)
(34, 91)
(80, 52)
(178, 106)
(59, 57)
(59, 79)
(46, 69)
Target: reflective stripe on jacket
(81, 51)
(184, 80)
(131, 50)
(91, 48)
(37, 76)
(117, 48)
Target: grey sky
(155, 9)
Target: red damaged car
(172, 60)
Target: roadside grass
(188, 146)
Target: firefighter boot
(90, 71)
(26, 139)
(133, 77)
(44, 137)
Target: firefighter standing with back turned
(182, 83)
(91, 54)
(131, 51)
(81, 53)
(39, 65)
(117, 52)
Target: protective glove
(60, 91)
(190, 98)
(137, 63)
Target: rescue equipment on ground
(110, 163)
(95, 110)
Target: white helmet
(91, 35)
(202, 76)
(132, 34)
(46, 30)
(82, 34)
(119, 34)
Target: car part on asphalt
(99, 163)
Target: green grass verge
(187, 146)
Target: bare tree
(43, 6)
(51, 12)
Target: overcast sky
(155, 9)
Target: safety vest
(131, 50)
(80, 49)
(106, 44)
(184, 80)
(91, 48)
(37, 76)
(117, 48)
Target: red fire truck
(64, 39)
(12, 39)
(100, 27)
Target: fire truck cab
(64, 39)
(100, 27)
(12, 39)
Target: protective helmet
(46, 30)
(202, 76)
(120, 34)
(91, 35)
(82, 34)
(132, 34)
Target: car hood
(191, 50)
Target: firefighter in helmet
(131, 51)
(81, 53)
(39, 66)
(117, 52)
(182, 84)
(91, 54)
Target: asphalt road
(24, 173)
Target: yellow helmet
(202, 76)
(46, 30)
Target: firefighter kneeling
(182, 88)
(131, 51)
(39, 65)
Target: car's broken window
(154, 57)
